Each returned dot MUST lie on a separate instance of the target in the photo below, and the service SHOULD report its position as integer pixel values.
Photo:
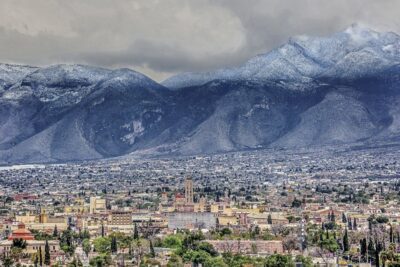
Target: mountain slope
(311, 91)
(355, 52)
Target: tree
(36, 260)
(363, 247)
(85, 234)
(329, 244)
(344, 219)
(102, 245)
(306, 261)
(215, 262)
(19, 243)
(269, 219)
(391, 236)
(55, 231)
(7, 261)
(378, 249)
(278, 260)
(172, 241)
(225, 231)
(135, 232)
(75, 263)
(47, 253)
(371, 247)
(207, 247)
(102, 230)
(101, 260)
(175, 261)
(346, 245)
(152, 252)
(349, 224)
(86, 246)
(296, 203)
(333, 217)
(382, 219)
(114, 246)
(40, 256)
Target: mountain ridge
(311, 91)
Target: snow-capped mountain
(310, 91)
(355, 52)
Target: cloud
(162, 37)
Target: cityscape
(199, 133)
(332, 206)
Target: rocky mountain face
(308, 92)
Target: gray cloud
(162, 37)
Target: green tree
(172, 241)
(391, 236)
(382, 219)
(75, 263)
(306, 261)
(226, 231)
(55, 231)
(100, 261)
(114, 246)
(269, 219)
(152, 252)
(47, 253)
(102, 245)
(7, 261)
(197, 257)
(278, 260)
(102, 230)
(354, 224)
(344, 219)
(215, 262)
(175, 261)
(346, 245)
(296, 203)
(40, 256)
(363, 247)
(36, 259)
(19, 243)
(85, 234)
(135, 232)
(329, 244)
(66, 241)
(86, 246)
(207, 247)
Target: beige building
(247, 246)
(189, 191)
(32, 246)
(120, 218)
(97, 205)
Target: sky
(163, 37)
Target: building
(21, 233)
(120, 218)
(32, 246)
(191, 220)
(247, 246)
(189, 191)
(97, 205)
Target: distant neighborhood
(240, 209)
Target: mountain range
(311, 91)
